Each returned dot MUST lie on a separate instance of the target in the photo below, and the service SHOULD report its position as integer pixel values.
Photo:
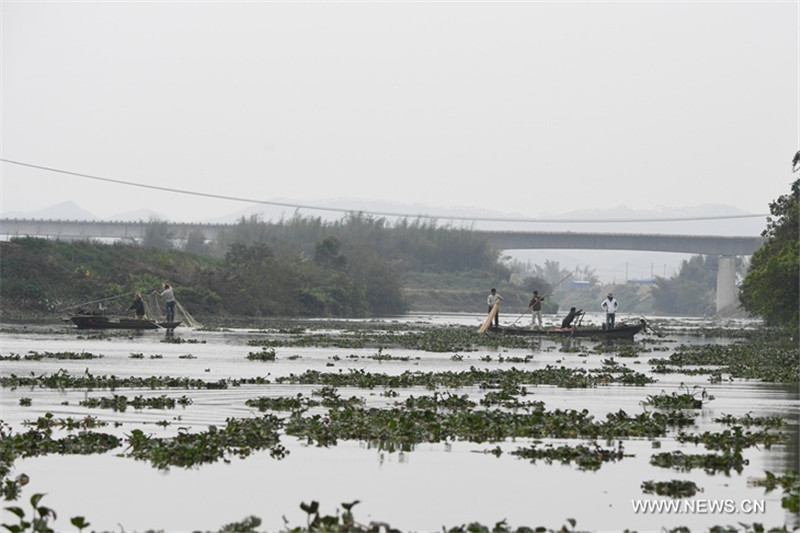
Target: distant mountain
(63, 211)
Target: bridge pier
(726, 282)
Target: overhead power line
(376, 213)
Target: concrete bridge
(91, 229)
(726, 248)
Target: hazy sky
(524, 108)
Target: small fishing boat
(620, 331)
(93, 321)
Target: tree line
(299, 267)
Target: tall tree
(771, 288)
(157, 234)
(328, 253)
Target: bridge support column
(726, 282)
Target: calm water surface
(432, 486)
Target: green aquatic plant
(509, 398)
(40, 514)
(332, 400)
(685, 400)
(12, 488)
(79, 522)
(36, 356)
(115, 403)
(549, 375)
(789, 483)
(39, 521)
(248, 525)
(417, 421)
(121, 403)
(343, 522)
(676, 488)
(587, 457)
(266, 354)
(381, 356)
(711, 463)
(34, 442)
(770, 361)
(619, 374)
(295, 403)
(513, 359)
(239, 437)
(64, 380)
(439, 401)
(69, 423)
(628, 351)
(181, 340)
(749, 420)
(732, 439)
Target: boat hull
(112, 322)
(622, 331)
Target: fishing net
(156, 309)
(187, 318)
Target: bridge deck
(503, 240)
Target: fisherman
(138, 306)
(572, 315)
(535, 307)
(491, 300)
(169, 297)
(610, 306)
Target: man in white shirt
(610, 306)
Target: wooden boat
(91, 321)
(620, 331)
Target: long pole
(96, 301)
(551, 291)
(560, 282)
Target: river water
(434, 485)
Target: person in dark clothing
(535, 306)
(572, 315)
(138, 306)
